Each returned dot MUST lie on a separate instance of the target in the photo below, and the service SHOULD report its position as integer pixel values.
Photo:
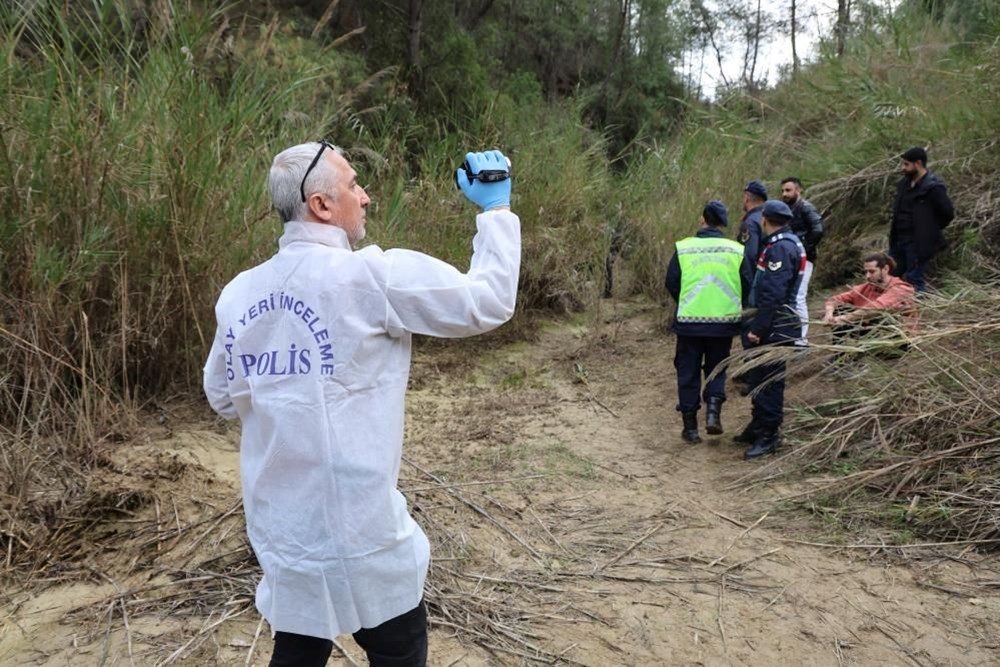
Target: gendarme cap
(756, 188)
(715, 213)
(777, 211)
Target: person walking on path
(708, 277)
(775, 322)
(807, 224)
(312, 354)
(921, 210)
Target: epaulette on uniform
(784, 236)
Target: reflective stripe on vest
(710, 280)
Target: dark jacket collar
(929, 181)
(710, 232)
(755, 209)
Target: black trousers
(399, 642)
(909, 267)
(769, 402)
(693, 357)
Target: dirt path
(569, 522)
(758, 598)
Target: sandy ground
(569, 523)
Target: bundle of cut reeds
(911, 437)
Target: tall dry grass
(135, 140)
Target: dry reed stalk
(912, 438)
(209, 574)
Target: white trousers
(800, 302)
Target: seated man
(881, 294)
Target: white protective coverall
(312, 353)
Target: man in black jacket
(807, 224)
(922, 209)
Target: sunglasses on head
(323, 145)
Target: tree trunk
(756, 48)
(709, 25)
(795, 53)
(616, 48)
(843, 18)
(483, 11)
(413, 34)
(624, 8)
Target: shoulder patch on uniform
(774, 266)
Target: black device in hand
(484, 176)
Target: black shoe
(767, 443)
(713, 416)
(690, 432)
(749, 434)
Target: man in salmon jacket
(312, 353)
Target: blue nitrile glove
(485, 195)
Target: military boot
(690, 432)
(749, 434)
(767, 442)
(713, 416)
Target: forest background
(135, 137)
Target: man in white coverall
(312, 353)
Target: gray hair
(285, 179)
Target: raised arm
(430, 297)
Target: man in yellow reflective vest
(709, 278)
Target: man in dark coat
(708, 277)
(750, 233)
(921, 210)
(807, 224)
(775, 322)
